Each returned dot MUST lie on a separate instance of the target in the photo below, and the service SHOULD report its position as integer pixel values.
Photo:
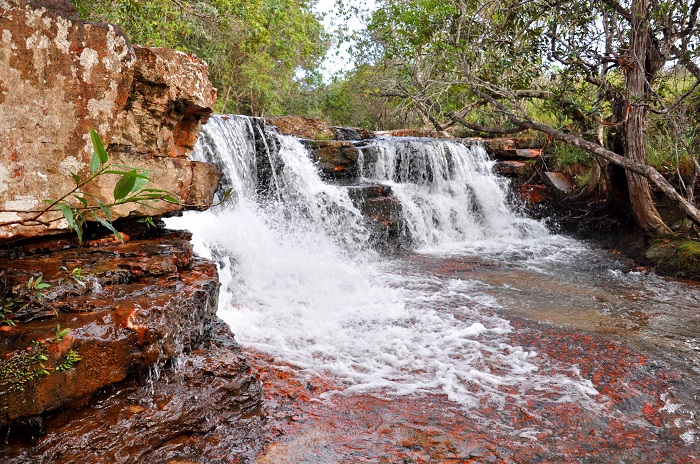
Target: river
(490, 339)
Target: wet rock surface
(140, 303)
(383, 211)
(204, 408)
(336, 159)
(160, 378)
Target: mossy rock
(676, 257)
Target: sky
(338, 59)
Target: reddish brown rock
(352, 133)
(60, 77)
(207, 409)
(500, 146)
(336, 159)
(305, 128)
(532, 194)
(144, 302)
(509, 148)
(171, 98)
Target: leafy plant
(71, 359)
(36, 286)
(76, 275)
(148, 222)
(24, 367)
(21, 297)
(60, 333)
(130, 188)
(32, 363)
(78, 207)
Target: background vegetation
(262, 54)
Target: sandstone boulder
(60, 77)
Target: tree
(604, 64)
(255, 49)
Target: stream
(490, 339)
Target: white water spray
(300, 282)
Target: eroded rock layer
(137, 309)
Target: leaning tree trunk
(640, 49)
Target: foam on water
(299, 282)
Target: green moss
(676, 257)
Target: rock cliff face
(147, 372)
(60, 77)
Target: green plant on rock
(33, 363)
(78, 207)
(130, 188)
(71, 360)
(17, 298)
(76, 275)
(60, 333)
(25, 367)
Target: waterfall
(448, 191)
(299, 280)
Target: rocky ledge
(145, 367)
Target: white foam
(299, 283)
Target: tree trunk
(636, 73)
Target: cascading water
(448, 192)
(300, 282)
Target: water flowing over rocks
(145, 302)
(60, 77)
(485, 339)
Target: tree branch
(643, 170)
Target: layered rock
(205, 409)
(144, 301)
(136, 309)
(60, 77)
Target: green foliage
(25, 367)
(565, 155)
(148, 222)
(76, 275)
(60, 333)
(33, 363)
(256, 49)
(71, 360)
(21, 297)
(79, 207)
